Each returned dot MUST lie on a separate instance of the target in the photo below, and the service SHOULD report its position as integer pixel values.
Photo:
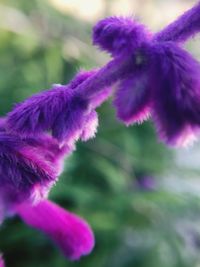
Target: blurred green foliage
(134, 225)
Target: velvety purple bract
(62, 110)
(176, 89)
(133, 99)
(119, 35)
(59, 110)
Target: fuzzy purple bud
(62, 110)
(119, 35)
(28, 165)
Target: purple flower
(71, 233)
(165, 80)
(141, 69)
(61, 110)
(27, 165)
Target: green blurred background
(140, 197)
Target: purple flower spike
(176, 90)
(118, 35)
(133, 99)
(2, 262)
(71, 233)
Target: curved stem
(183, 28)
(113, 71)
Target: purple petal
(133, 99)
(118, 35)
(176, 101)
(71, 233)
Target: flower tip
(86, 243)
(71, 233)
(119, 34)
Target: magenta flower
(32, 161)
(71, 233)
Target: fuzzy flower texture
(153, 77)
